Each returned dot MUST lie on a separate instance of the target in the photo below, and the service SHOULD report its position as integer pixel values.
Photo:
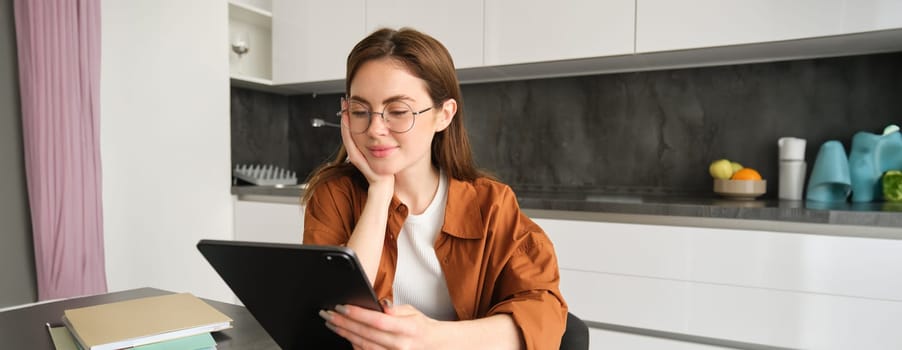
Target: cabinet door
(312, 39)
(664, 25)
(521, 31)
(780, 289)
(870, 15)
(269, 222)
(253, 25)
(457, 24)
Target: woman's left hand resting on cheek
(404, 327)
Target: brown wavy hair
(427, 59)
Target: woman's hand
(368, 236)
(404, 327)
(400, 327)
(356, 157)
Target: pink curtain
(59, 75)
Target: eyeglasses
(397, 116)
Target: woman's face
(379, 83)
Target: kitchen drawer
(741, 314)
(836, 265)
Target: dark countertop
(879, 215)
(861, 214)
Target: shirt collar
(467, 219)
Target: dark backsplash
(648, 132)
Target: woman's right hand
(356, 157)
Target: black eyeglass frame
(382, 115)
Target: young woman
(447, 243)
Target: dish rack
(265, 175)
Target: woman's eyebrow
(385, 101)
(358, 99)
(398, 98)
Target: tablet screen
(284, 286)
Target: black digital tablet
(284, 286)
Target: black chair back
(576, 336)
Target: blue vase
(871, 155)
(829, 181)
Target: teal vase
(871, 155)
(829, 180)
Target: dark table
(24, 328)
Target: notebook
(284, 286)
(62, 340)
(137, 322)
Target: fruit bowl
(740, 189)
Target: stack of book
(175, 321)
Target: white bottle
(792, 168)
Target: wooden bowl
(740, 189)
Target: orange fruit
(746, 174)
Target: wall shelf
(252, 24)
(250, 14)
(258, 84)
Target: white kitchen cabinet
(312, 39)
(523, 31)
(251, 24)
(663, 25)
(871, 15)
(759, 287)
(498, 40)
(458, 24)
(273, 222)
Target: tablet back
(284, 286)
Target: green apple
(892, 185)
(721, 169)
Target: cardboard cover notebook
(142, 321)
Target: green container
(892, 186)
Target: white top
(419, 280)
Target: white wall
(165, 142)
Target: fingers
(399, 327)
(356, 340)
(361, 327)
(347, 140)
(386, 304)
(374, 319)
(354, 154)
(401, 310)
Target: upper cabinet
(312, 38)
(665, 25)
(457, 24)
(250, 42)
(522, 31)
(494, 40)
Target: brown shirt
(495, 259)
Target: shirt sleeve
(325, 216)
(528, 286)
